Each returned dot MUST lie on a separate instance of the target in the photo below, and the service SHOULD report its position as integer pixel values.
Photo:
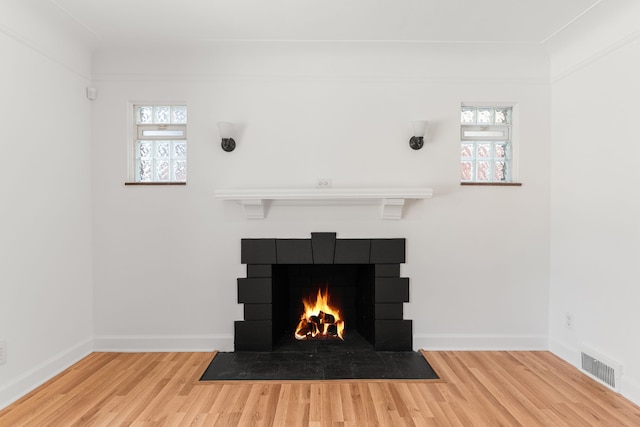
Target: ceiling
(457, 21)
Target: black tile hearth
(362, 365)
(319, 360)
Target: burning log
(303, 330)
(316, 321)
(329, 319)
(319, 319)
(314, 328)
(332, 330)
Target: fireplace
(361, 277)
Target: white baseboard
(565, 352)
(159, 343)
(631, 389)
(454, 342)
(42, 373)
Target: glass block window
(160, 148)
(485, 144)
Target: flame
(319, 318)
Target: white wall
(595, 244)
(45, 188)
(166, 259)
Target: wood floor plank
(422, 411)
(477, 389)
(382, 408)
(370, 413)
(335, 404)
(315, 404)
(356, 402)
(268, 404)
(346, 399)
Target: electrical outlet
(3, 352)
(323, 182)
(568, 320)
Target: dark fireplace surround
(364, 274)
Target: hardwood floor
(477, 389)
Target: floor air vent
(601, 369)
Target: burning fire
(319, 319)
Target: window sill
(495, 184)
(155, 183)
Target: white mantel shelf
(391, 200)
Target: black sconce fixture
(419, 130)
(226, 131)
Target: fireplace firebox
(362, 277)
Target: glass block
(466, 168)
(500, 150)
(500, 171)
(144, 115)
(466, 151)
(143, 170)
(162, 170)
(485, 116)
(502, 116)
(484, 151)
(484, 170)
(143, 149)
(163, 149)
(180, 170)
(161, 114)
(179, 149)
(468, 116)
(179, 114)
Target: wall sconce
(226, 131)
(419, 130)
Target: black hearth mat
(319, 360)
